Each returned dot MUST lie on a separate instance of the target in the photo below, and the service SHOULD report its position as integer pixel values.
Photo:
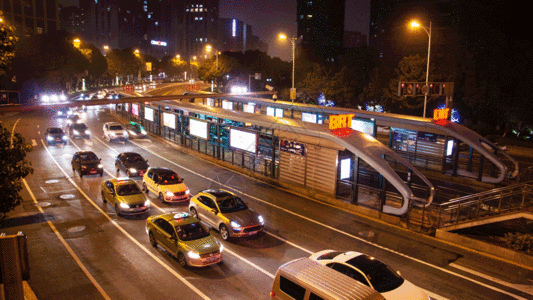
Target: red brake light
(272, 294)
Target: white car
(372, 272)
(114, 131)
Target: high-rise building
(321, 25)
(199, 26)
(31, 17)
(354, 39)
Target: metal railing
(476, 207)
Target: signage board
(292, 147)
(243, 140)
(149, 114)
(169, 120)
(198, 128)
(135, 109)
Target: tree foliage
(123, 62)
(208, 70)
(8, 40)
(13, 167)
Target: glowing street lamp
(76, 43)
(283, 37)
(414, 25)
(208, 48)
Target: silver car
(226, 212)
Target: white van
(305, 279)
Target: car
(184, 237)
(87, 163)
(133, 164)
(371, 272)
(73, 119)
(223, 210)
(78, 130)
(54, 135)
(166, 185)
(136, 130)
(125, 196)
(115, 131)
(63, 112)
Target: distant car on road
(133, 164)
(55, 135)
(166, 185)
(115, 131)
(226, 212)
(184, 237)
(125, 196)
(87, 163)
(78, 130)
(136, 130)
(371, 272)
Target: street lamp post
(293, 42)
(415, 24)
(208, 48)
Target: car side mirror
(399, 273)
(214, 210)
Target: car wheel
(161, 197)
(144, 188)
(182, 260)
(81, 174)
(153, 242)
(103, 198)
(117, 209)
(224, 232)
(194, 213)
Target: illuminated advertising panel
(210, 102)
(169, 120)
(307, 117)
(346, 168)
(249, 108)
(198, 128)
(149, 114)
(274, 111)
(243, 140)
(363, 126)
(227, 105)
(135, 109)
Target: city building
(72, 19)
(354, 39)
(235, 35)
(32, 17)
(199, 27)
(320, 23)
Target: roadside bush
(520, 242)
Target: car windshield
(55, 130)
(381, 276)
(231, 204)
(191, 231)
(134, 158)
(169, 178)
(128, 189)
(79, 126)
(88, 157)
(115, 127)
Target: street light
(208, 48)
(283, 37)
(415, 24)
(76, 43)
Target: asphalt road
(80, 249)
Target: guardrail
(476, 207)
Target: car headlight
(59, 113)
(261, 220)
(221, 248)
(49, 138)
(131, 132)
(62, 97)
(193, 255)
(143, 132)
(75, 132)
(126, 133)
(187, 192)
(54, 98)
(100, 166)
(169, 194)
(45, 98)
(112, 134)
(124, 205)
(64, 137)
(133, 170)
(147, 203)
(87, 132)
(235, 224)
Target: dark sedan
(55, 136)
(133, 164)
(87, 163)
(78, 130)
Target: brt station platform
(369, 159)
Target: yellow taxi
(166, 185)
(183, 236)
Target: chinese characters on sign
(441, 114)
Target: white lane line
(33, 143)
(157, 259)
(290, 243)
(250, 263)
(521, 287)
(70, 251)
(335, 229)
(13, 133)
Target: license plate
(92, 172)
(211, 259)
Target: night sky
(270, 17)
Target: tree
(123, 62)
(8, 41)
(13, 167)
(208, 70)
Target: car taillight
(272, 294)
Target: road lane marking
(334, 229)
(33, 142)
(142, 247)
(65, 244)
